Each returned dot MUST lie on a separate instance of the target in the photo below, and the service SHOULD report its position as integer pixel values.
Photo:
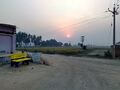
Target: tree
(51, 43)
(66, 44)
(80, 44)
(38, 40)
(22, 37)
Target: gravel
(64, 73)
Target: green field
(53, 50)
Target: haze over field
(64, 20)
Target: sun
(68, 36)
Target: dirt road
(64, 73)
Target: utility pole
(114, 12)
(82, 39)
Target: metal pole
(114, 34)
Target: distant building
(118, 43)
(7, 38)
(117, 49)
(30, 44)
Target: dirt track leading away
(64, 73)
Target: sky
(63, 20)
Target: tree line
(25, 39)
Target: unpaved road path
(64, 73)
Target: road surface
(64, 73)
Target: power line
(86, 21)
(81, 23)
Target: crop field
(53, 50)
(89, 52)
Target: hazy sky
(64, 20)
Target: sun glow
(62, 14)
(68, 36)
(70, 12)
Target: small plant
(107, 54)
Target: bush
(107, 54)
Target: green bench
(18, 58)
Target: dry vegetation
(54, 50)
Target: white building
(7, 38)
